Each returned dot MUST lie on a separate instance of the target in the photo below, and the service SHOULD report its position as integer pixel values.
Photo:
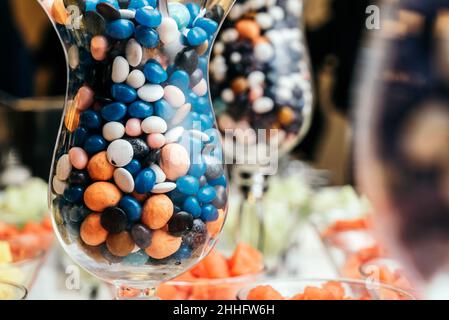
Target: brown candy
(286, 116)
(239, 85)
(120, 244)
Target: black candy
(114, 220)
(153, 157)
(108, 11)
(197, 236)
(196, 77)
(78, 177)
(140, 148)
(94, 23)
(187, 60)
(216, 13)
(141, 236)
(222, 197)
(180, 223)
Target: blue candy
(145, 181)
(206, 122)
(140, 109)
(218, 182)
(137, 4)
(194, 10)
(133, 167)
(207, 194)
(202, 105)
(154, 72)
(94, 144)
(120, 29)
(196, 36)
(180, 14)
(90, 119)
(114, 111)
(91, 5)
(208, 25)
(192, 206)
(136, 259)
(183, 253)
(147, 37)
(79, 136)
(132, 208)
(188, 185)
(149, 17)
(180, 79)
(164, 110)
(197, 168)
(177, 196)
(209, 213)
(123, 93)
(74, 194)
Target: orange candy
(157, 211)
(264, 293)
(99, 167)
(214, 227)
(92, 232)
(248, 29)
(245, 260)
(101, 195)
(163, 245)
(59, 12)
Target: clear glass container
(402, 132)
(138, 189)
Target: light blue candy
(197, 168)
(147, 37)
(149, 17)
(145, 181)
(180, 14)
(154, 72)
(132, 208)
(91, 5)
(192, 206)
(188, 185)
(206, 194)
(194, 10)
(180, 79)
(120, 29)
(164, 110)
(114, 112)
(123, 93)
(208, 25)
(140, 110)
(196, 36)
(218, 182)
(209, 213)
(137, 4)
(136, 259)
(201, 105)
(206, 122)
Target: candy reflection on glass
(138, 178)
(260, 78)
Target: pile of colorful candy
(259, 72)
(216, 277)
(331, 290)
(138, 172)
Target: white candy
(63, 168)
(263, 105)
(154, 125)
(284, 94)
(74, 57)
(174, 96)
(201, 88)
(200, 135)
(229, 35)
(294, 7)
(219, 48)
(58, 185)
(277, 13)
(120, 70)
(160, 175)
(124, 180)
(150, 92)
(264, 20)
(168, 30)
(120, 153)
(227, 95)
(164, 187)
(113, 131)
(236, 57)
(256, 78)
(264, 52)
(236, 12)
(181, 114)
(127, 14)
(134, 53)
(174, 135)
(136, 79)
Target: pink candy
(78, 158)
(156, 140)
(84, 98)
(133, 128)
